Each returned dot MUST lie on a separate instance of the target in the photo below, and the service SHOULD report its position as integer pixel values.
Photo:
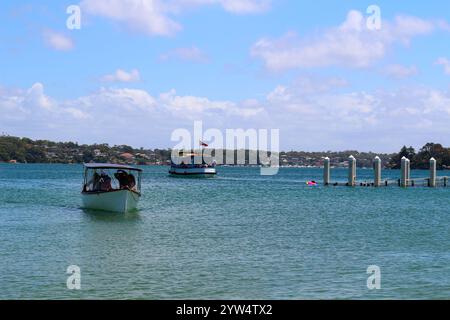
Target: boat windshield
(111, 179)
(191, 160)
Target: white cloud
(399, 71)
(58, 41)
(192, 54)
(77, 114)
(312, 108)
(35, 97)
(405, 28)
(378, 120)
(331, 117)
(146, 16)
(193, 107)
(445, 63)
(123, 76)
(116, 100)
(29, 101)
(190, 104)
(351, 44)
(246, 6)
(114, 114)
(156, 17)
(232, 6)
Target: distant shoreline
(25, 150)
(223, 166)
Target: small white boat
(111, 187)
(189, 167)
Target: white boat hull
(193, 171)
(113, 201)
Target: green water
(237, 236)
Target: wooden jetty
(404, 181)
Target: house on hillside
(127, 157)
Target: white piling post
(432, 172)
(351, 171)
(377, 171)
(326, 171)
(404, 172)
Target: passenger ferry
(188, 166)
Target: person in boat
(122, 177)
(105, 182)
(132, 181)
(94, 183)
(126, 180)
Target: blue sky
(137, 70)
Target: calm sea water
(237, 236)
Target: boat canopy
(110, 166)
(185, 155)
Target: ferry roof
(109, 166)
(184, 155)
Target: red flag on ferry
(203, 144)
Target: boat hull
(114, 201)
(193, 172)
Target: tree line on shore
(25, 150)
(421, 159)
